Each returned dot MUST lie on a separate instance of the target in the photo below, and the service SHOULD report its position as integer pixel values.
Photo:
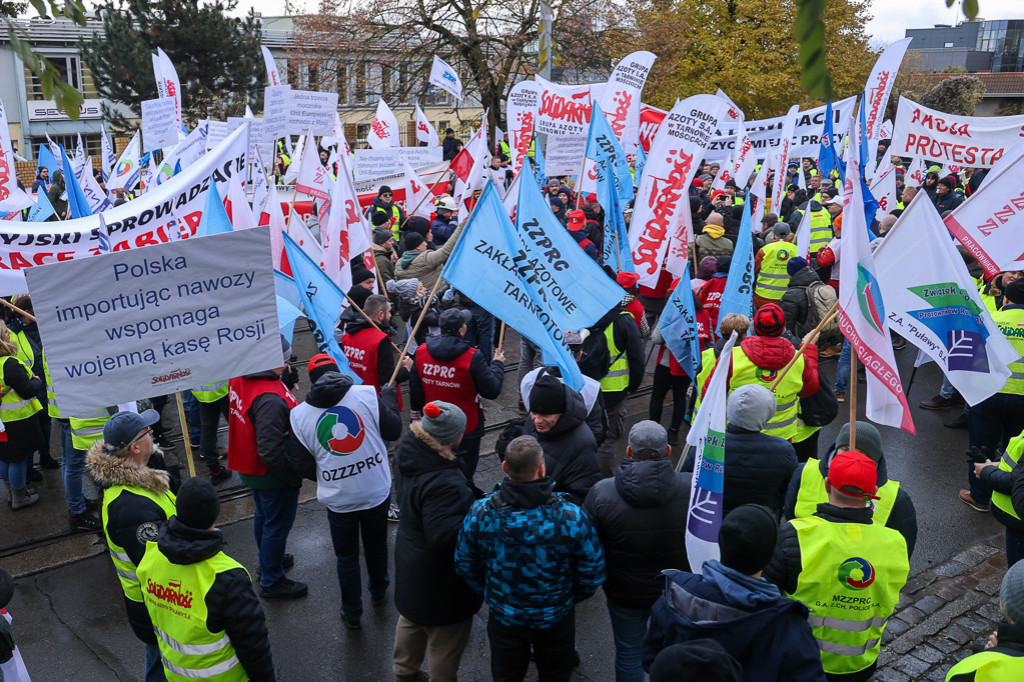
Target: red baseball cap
(319, 360)
(627, 279)
(854, 473)
(576, 219)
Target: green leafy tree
(957, 95)
(217, 57)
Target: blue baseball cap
(122, 428)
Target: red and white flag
(862, 314)
(275, 219)
(915, 173)
(273, 77)
(724, 174)
(346, 234)
(745, 158)
(782, 156)
(990, 224)
(416, 191)
(759, 189)
(425, 132)
(384, 131)
(313, 178)
(469, 167)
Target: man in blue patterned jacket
(533, 554)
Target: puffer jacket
(531, 552)
(131, 518)
(231, 605)
(794, 301)
(427, 266)
(434, 496)
(570, 451)
(774, 353)
(902, 518)
(640, 516)
(766, 632)
(758, 468)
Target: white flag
(238, 205)
(863, 317)
(759, 189)
(876, 91)
(275, 216)
(346, 235)
(801, 179)
(803, 235)
(443, 76)
(312, 178)
(915, 173)
(707, 489)
(620, 100)
(384, 131)
(158, 75)
(301, 235)
(883, 189)
(107, 158)
(424, 130)
(126, 172)
(782, 157)
(296, 155)
(12, 197)
(724, 174)
(261, 188)
(746, 157)
(170, 75)
(934, 303)
(416, 192)
(273, 77)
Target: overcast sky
(891, 17)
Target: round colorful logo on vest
(856, 573)
(340, 430)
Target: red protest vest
(361, 350)
(711, 297)
(242, 454)
(449, 381)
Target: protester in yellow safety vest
(211, 626)
(847, 570)
(822, 216)
(995, 420)
(25, 333)
(772, 280)
(384, 203)
(760, 358)
(1003, 657)
(137, 500)
(999, 476)
(18, 409)
(213, 404)
(894, 508)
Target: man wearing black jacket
(448, 368)
(640, 517)
(435, 605)
(187, 558)
(626, 351)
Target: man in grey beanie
(435, 606)
(1003, 657)
(758, 466)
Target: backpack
(820, 299)
(596, 360)
(821, 408)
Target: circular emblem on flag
(856, 573)
(869, 296)
(340, 431)
(123, 168)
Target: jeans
(209, 420)
(843, 368)
(275, 514)
(663, 381)
(529, 357)
(946, 390)
(73, 466)
(480, 330)
(629, 627)
(154, 665)
(346, 529)
(14, 473)
(194, 417)
(552, 650)
(468, 453)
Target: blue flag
(610, 161)
(42, 210)
(638, 166)
(102, 235)
(215, 219)
(870, 203)
(45, 159)
(538, 160)
(575, 287)
(77, 201)
(487, 265)
(322, 300)
(678, 326)
(828, 159)
(615, 251)
(738, 296)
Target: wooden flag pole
(810, 339)
(501, 335)
(368, 318)
(444, 176)
(851, 397)
(17, 309)
(184, 434)
(412, 334)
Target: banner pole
(501, 335)
(444, 176)
(17, 309)
(412, 334)
(851, 397)
(368, 319)
(184, 434)
(814, 333)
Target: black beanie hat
(380, 218)
(948, 182)
(197, 505)
(360, 273)
(1014, 291)
(359, 294)
(723, 264)
(384, 189)
(417, 223)
(381, 236)
(699, 659)
(747, 538)
(413, 240)
(547, 396)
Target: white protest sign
(159, 123)
(521, 111)
(944, 139)
(620, 101)
(276, 107)
(312, 112)
(144, 322)
(136, 223)
(565, 109)
(376, 163)
(564, 154)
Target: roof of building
(996, 84)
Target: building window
(362, 131)
(68, 66)
(342, 85)
(947, 45)
(437, 97)
(70, 143)
(360, 89)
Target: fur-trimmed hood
(431, 442)
(110, 470)
(420, 453)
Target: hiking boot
(48, 462)
(831, 351)
(91, 504)
(220, 475)
(841, 396)
(936, 403)
(351, 624)
(285, 588)
(418, 676)
(959, 423)
(33, 475)
(966, 498)
(673, 436)
(86, 522)
(21, 499)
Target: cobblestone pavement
(946, 613)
